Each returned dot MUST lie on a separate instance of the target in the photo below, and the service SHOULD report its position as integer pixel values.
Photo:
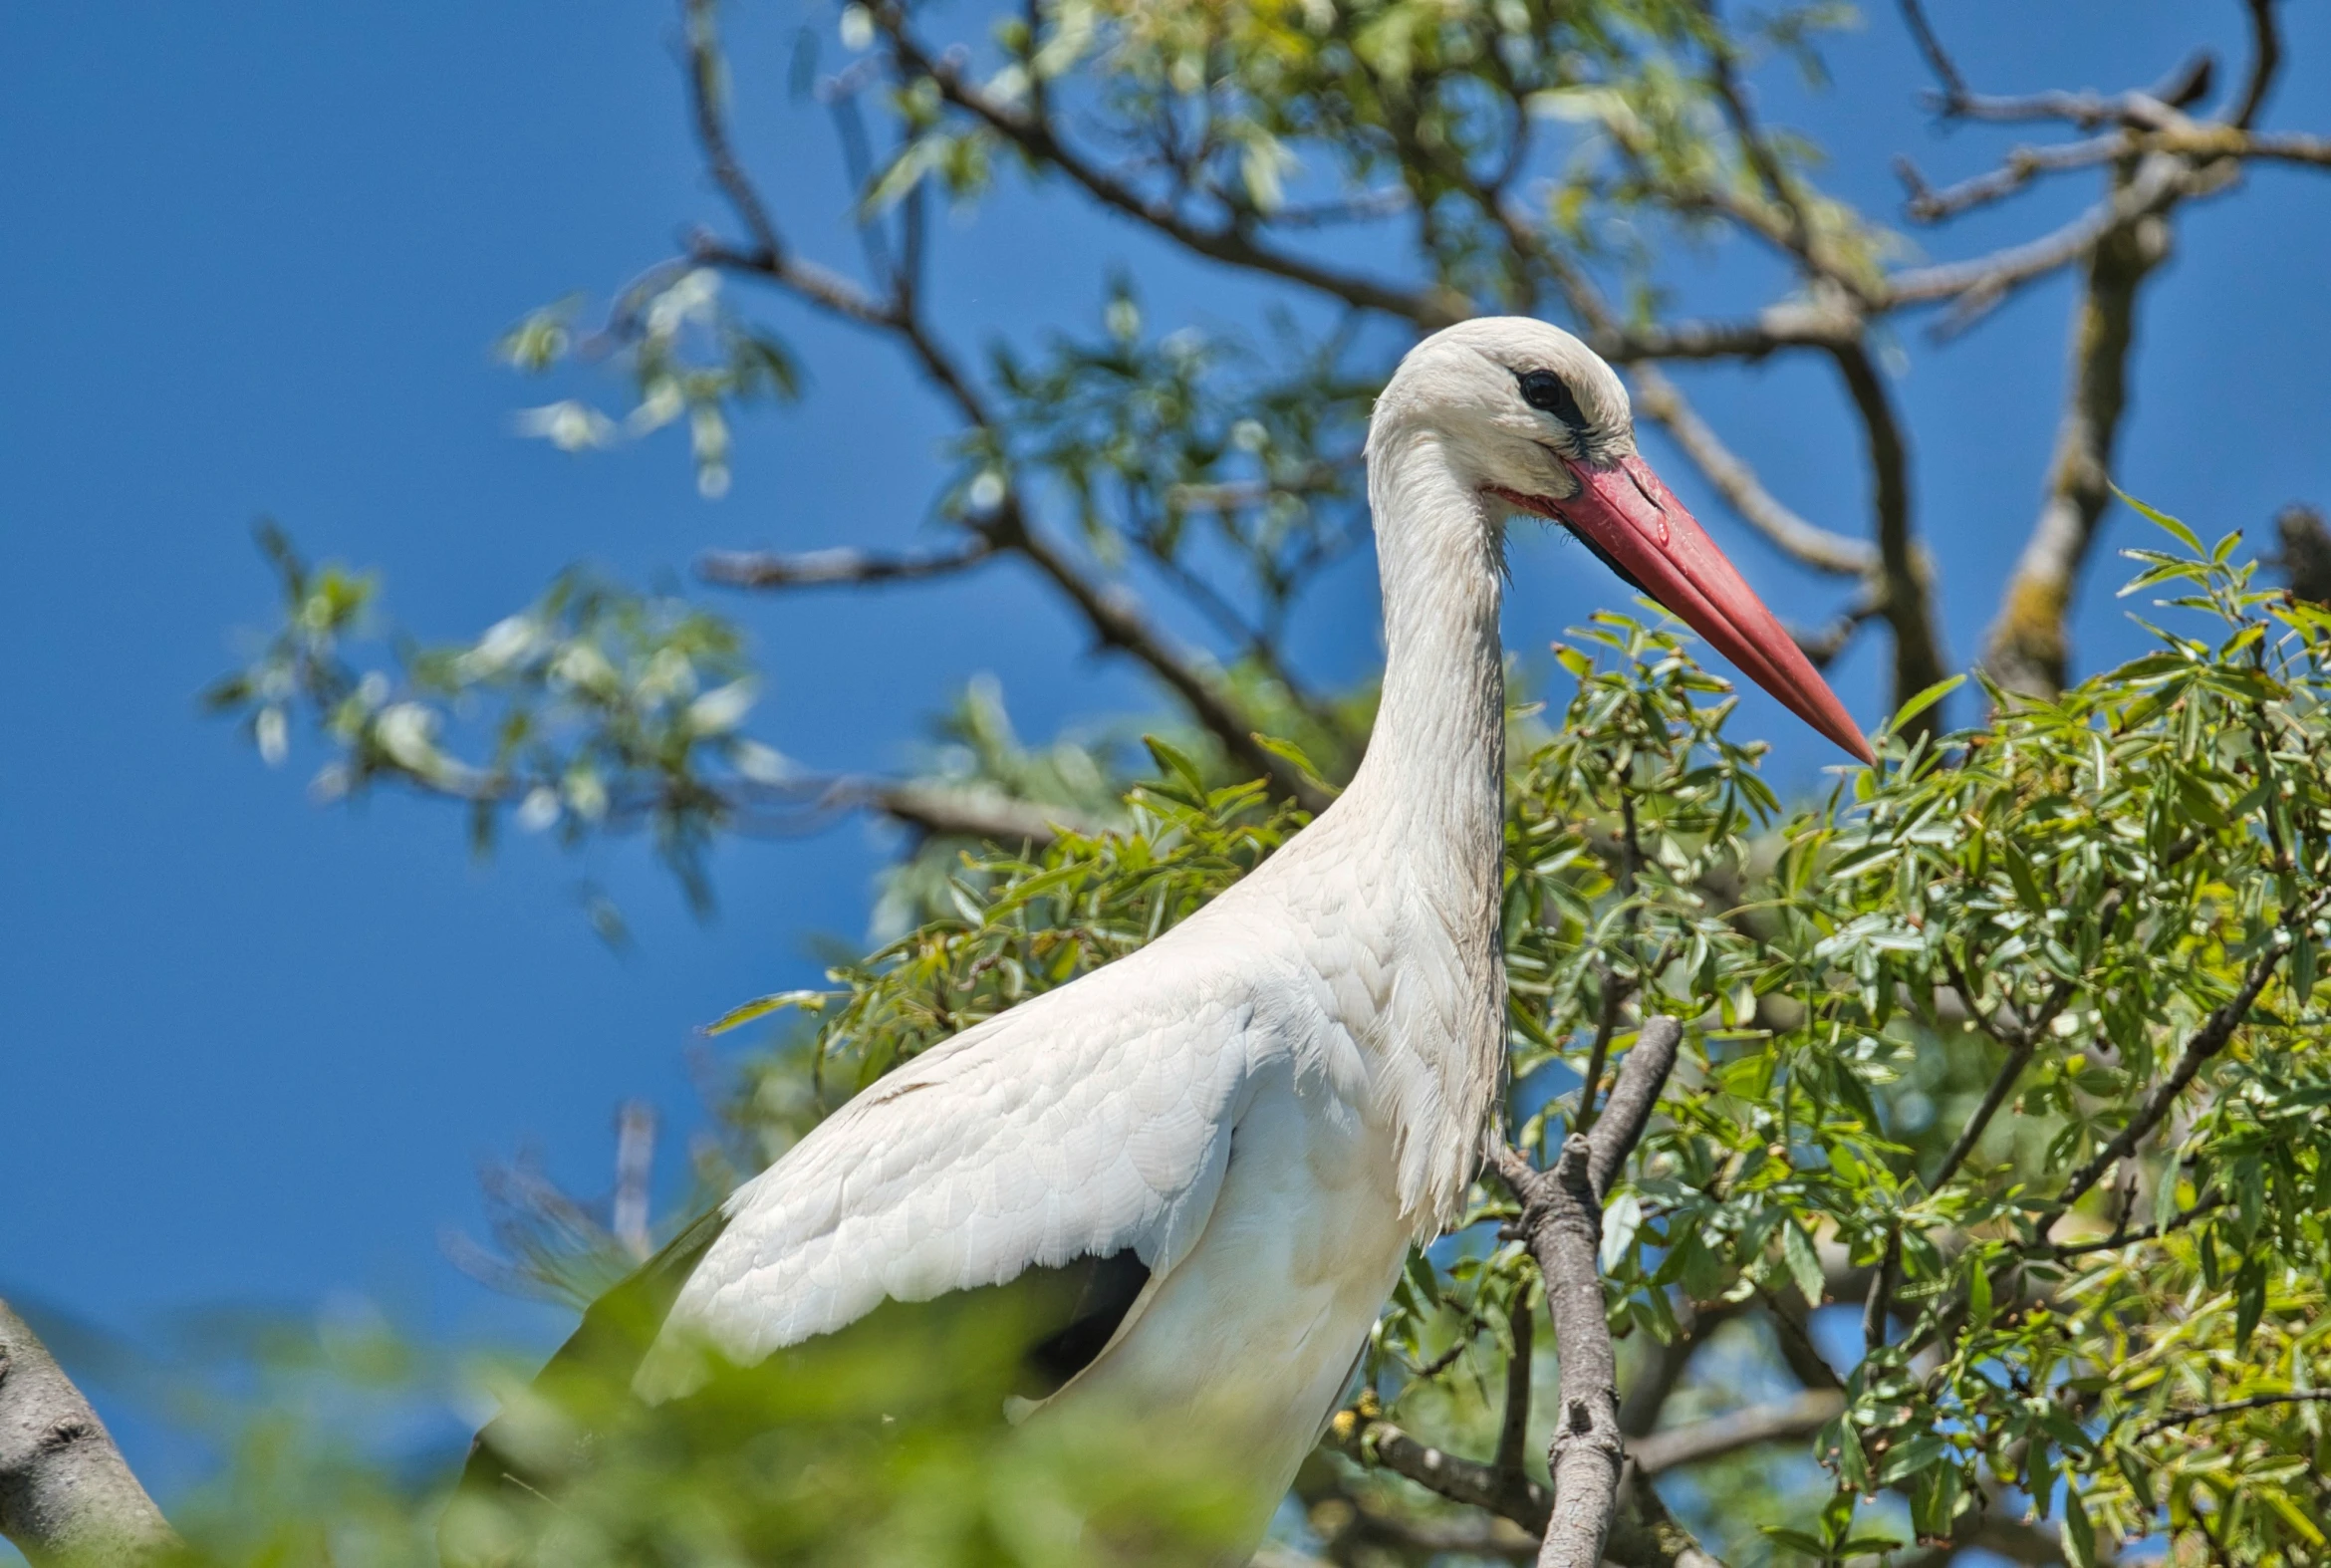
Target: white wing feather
(1087, 1121)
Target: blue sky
(254, 257)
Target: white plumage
(1274, 1100)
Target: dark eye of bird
(1546, 390)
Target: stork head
(1535, 421)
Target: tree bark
(66, 1497)
(1562, 1222)
(2030, 651)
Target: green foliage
(2090, 931)
(1153, 438)
(2015, 1041)
(686, 354)
(1019, 928)
(597, 708)
(2005, 1064)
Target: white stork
(1227, 1142)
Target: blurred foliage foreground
(2000, 1152)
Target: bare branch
(1809, 545)
(2123, 1237)
(1982, 282)
(1930, 49)
(1822, 647)
(1785, 1420)
(1628, 1111)
(2201, 143)
(1117, 619)
(704, 101)
(66, 1497)
(2020, 168)
(961, 813)
(2305, 556)
(826, 567)
(1908, 608)
(1514, 1423)
(1363, 1435)
(1561, 1221)
(2029, 649)
(2265, 62)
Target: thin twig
(2121, 1237)
(2179, 1418)
(2016, 171)
(1362, 1433)
(837, 567)
(2212, 1037)
(2265, 62)
(1806, 542)
(1785, 1421)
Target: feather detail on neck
(1433, 787)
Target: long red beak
(1625, 512)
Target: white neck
(1435, 764)
(1424, 812)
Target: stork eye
(1543, 390)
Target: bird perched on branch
(1188, 1181)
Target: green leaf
(762, 1006)
(2176, 530)
(2079, 1531)
(1171, 761)
(1621, 1220)
(1289, 752)
(1804, 1261)
(1922, 702)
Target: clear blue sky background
(251, 261)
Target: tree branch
(969, 814)
(2265, 62)
(2187, 81)
(66, 1497)
(2030, 649)
(2019, 169)
(1785, 1421)
(1362, 1433)
(2215, 1033)
(1227, 242)
(1113, 614)
(1513, 1426)
(1660, 398)
(770, 569)
(2179, 1418)
(1117, 619)
(1561, 1221)
(1982, 283)
(1821, 648)
(1918, 657)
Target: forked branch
(1562, 1224)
